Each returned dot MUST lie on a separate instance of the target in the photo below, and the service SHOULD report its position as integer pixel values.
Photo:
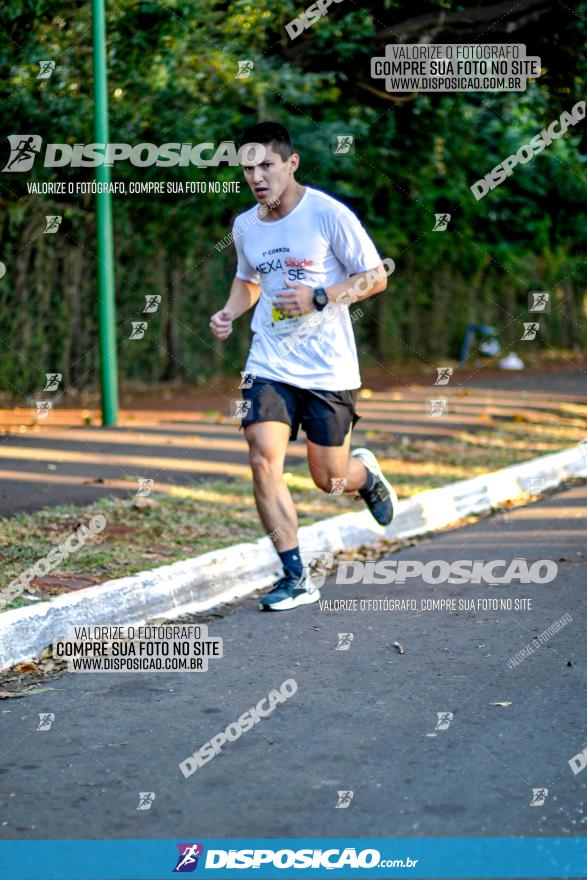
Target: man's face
(270, 178)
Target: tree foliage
(172, 78)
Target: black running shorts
(325, 416)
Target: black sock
(369, 482)
(292, 562)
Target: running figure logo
(444, 719)
(530, 331)
(436, 407)
(444, 374)
(318, 564)
(536, 485)
(53, 380)
(43, 409)
(344, 800)
(145, 486)
(538, 301)
(46, 719)
(188, 857)
(344, 641)
(539, 795)
(146, 798)
(53, 222)
(241, 408)
(441, 222)
(152, 301)
(138, 329)
(343, 145)
(244, 69)
(338, 485)
(46, 69)
(24, 149)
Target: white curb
(224, 575)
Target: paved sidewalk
(362, 720)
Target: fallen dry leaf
(27, 666)
(35, 690)
(6, 695)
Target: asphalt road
(362, 720)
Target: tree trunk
(172, 370)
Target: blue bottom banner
(268, 859)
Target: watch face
(321, 298)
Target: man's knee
(263, 464)
(326, 479)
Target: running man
(302, 258)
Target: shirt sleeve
(244, 270)
(351, 243)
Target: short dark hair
(272, 133)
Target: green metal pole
(106, 304)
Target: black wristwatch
(320, 298)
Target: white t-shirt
(318, 244)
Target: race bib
(282, 325)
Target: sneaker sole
(365, 455)
(290, 603)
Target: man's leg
(331, 464)
(336, 471)
(267, 448)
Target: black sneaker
(289, 592)
(381, 498)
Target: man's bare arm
(242, 297)
(299, 299)
(358, 287)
